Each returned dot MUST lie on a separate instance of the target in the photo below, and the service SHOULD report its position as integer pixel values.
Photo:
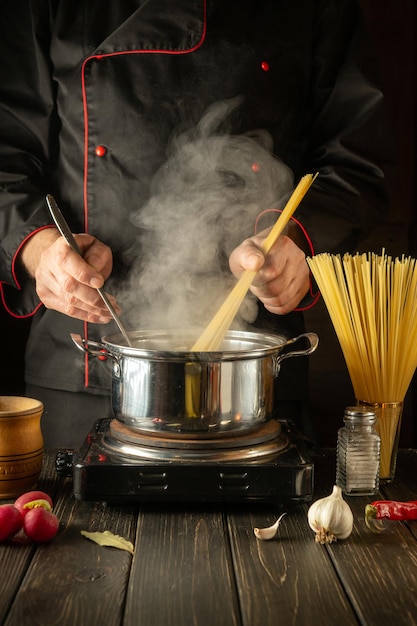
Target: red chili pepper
(391, 510)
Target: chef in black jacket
(92, 95)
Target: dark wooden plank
(199, 565)
(287, 580)
(14, 562)
(15, 558)
(378, 571)
(181, 572)
(72, 580)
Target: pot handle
(93, 348)
(313, 342)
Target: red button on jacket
(101, 151)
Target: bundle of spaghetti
(372, 303)
(211, 338)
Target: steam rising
(204, 202)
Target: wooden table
(202, 565)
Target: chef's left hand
(282, 278)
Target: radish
(32, 499)
(11, 521)
(40, 524)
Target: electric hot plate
(116, 464)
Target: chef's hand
(66, 282)
(283, 277)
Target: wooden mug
(21, 445)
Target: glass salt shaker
(358, 452)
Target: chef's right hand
(65, 281)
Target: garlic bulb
(331, 518)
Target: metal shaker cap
(361, 414)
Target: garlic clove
(331, 518)
(270, 531)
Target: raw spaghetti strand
(372, 302)
(211, 338)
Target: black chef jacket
(92, 92)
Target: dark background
(392, 26)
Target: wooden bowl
(21, 445)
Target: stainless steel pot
(161, 388)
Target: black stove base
(98, 475)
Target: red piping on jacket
(315, 296)
(3, 298)
(85, 108)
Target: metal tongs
(65, 231)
